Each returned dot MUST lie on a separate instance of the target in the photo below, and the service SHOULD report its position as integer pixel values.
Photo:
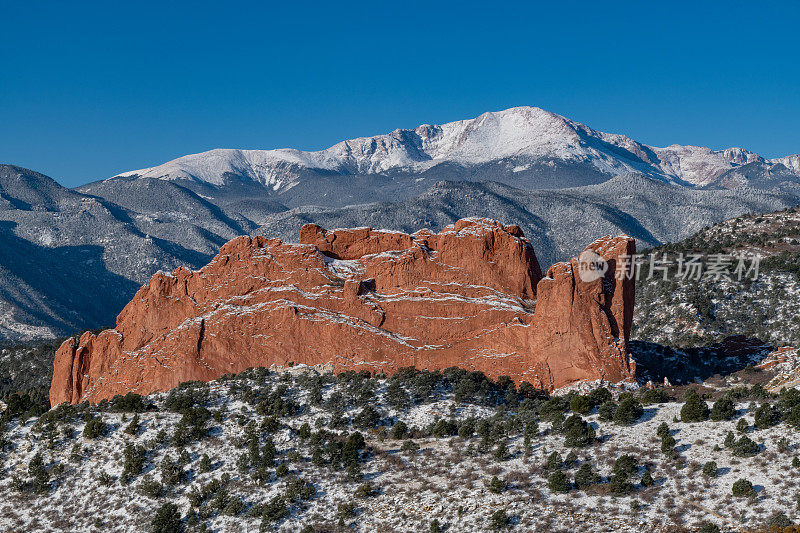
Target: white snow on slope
(528, 133)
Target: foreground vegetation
(419, 451)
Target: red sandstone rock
(363, 299)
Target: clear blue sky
(88, 90)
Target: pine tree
(558, 482)
(167, 519)
(76, 453)
(497, 485)
(767, 416)
(619, 484)
(578, 433)
(628, 412)
(571, 460)
(625, 465)
(268, 453)
(606, 410)
(695, 409)
(399, 430)
(580, 404)
(742, 488)
(304, 432)
(554, 462)
(133, 463)
(668, 445)
(708, 527)
(205, 464)
(95, 427)
(585, 477)
(745, 447)
(354, 472)
(723, 409)
(499, 520)
(133, 427)
(501, 452)
(41, 478)
(171, 472)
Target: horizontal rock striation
(364, 299)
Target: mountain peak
(25, 189)
(520, 143)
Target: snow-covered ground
(446, 479)
(693, 312)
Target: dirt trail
(709, 511)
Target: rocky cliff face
(471, 296)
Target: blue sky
(88, 90)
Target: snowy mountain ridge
(550, 175)
(520, 134)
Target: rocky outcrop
(471, 296)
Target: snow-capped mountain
(550, 175)
(523, 146)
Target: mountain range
(525, 147)
(71, 258)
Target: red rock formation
(363, 299)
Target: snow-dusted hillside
(514, 141)
(559, 223)
(693, 312)
(279, 452)
(71, 259)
